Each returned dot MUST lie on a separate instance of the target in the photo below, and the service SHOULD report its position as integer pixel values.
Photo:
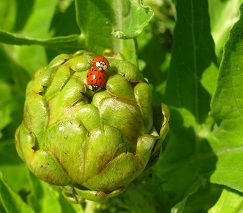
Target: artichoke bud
(93, 141)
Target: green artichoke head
(91, 143)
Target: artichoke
(92, 143)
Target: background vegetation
(178, 45)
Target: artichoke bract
(92, 143)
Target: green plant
(179, 48)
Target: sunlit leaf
(229, 202)
(126, 19)
(227, 110)
(130, 18)
(223, 15)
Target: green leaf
(11, 201)
(188, 95)
(40, 20)
(47, 198)
(130, 18)
(20, 184)
(95, 22)
(73, 42)
(229, 202)
(13, 80)
(6, 108)
(193, 53)
(137, 199)
(188, 90)
(12, 15)
(154, 45)
(64, 14)
(227, 110)
(7, 14)
(37, 26)
(223, 14)
(206, 196)
(10, 104)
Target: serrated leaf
(96, 20)
(130, 19)
(227, 110)
(11, 201)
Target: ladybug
(101, 63)
(96, 78)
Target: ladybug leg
(94, 88)
(85, 89)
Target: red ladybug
(96, 78)
(101, 63)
